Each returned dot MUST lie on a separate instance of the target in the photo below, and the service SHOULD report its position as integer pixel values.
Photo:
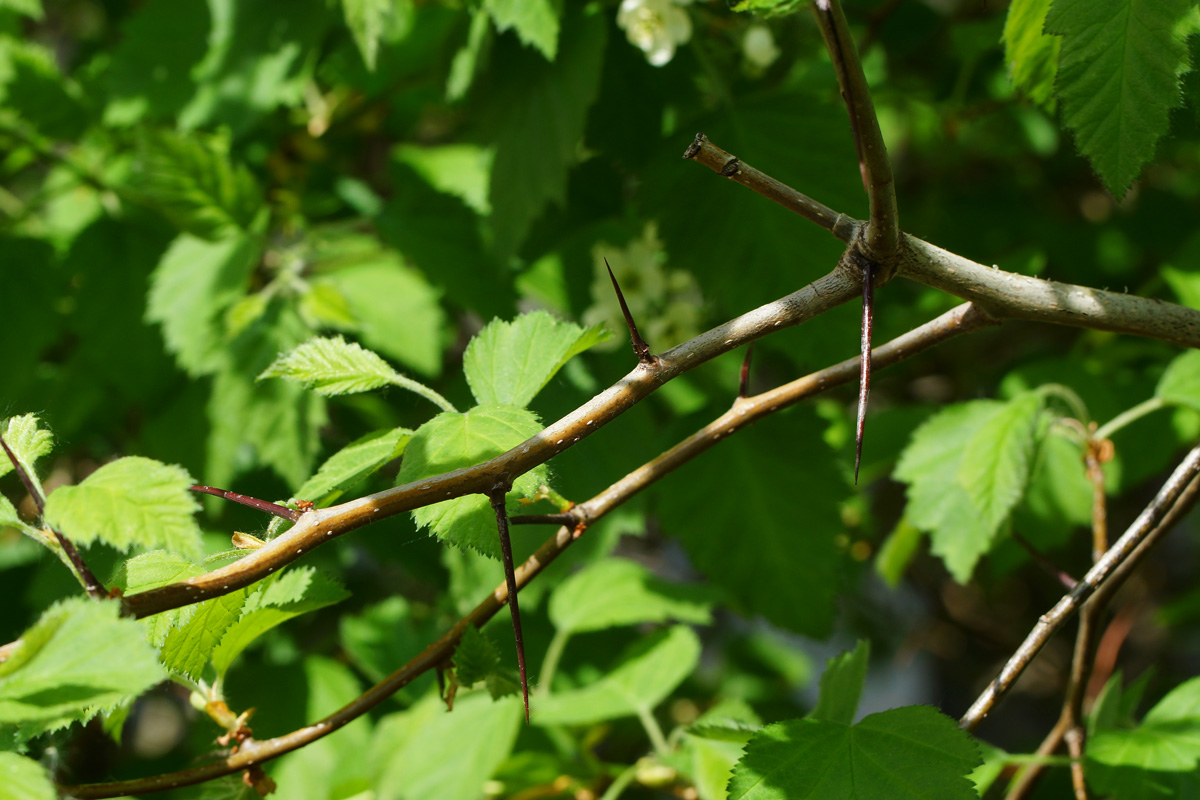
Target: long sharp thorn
(510, 578)
(639, 344)
(252, 502)
(864, 380)
(30, 486)
(744, 383)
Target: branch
(883, 229)
(1112, 566)
(963, 319)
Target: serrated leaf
(1031, 55)
(192, 287)
(151, 571)
(1059, 497)
(366, 20)
(475, 658)
(1118, 79)
(130, 501)
(998, 457)
(618, 591)
(25, 779)
(189, 647)
(298, 591)
(454, 440)
(81, 656)
(1180, 384)
(785, 564)
(647, 674)
(28, 443)
(510, 362)
(911, 753)
(332, 367)
(349, 466)
(534, 21)
(842, 685)
(192, 182)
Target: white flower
(759, 47)
(656, 27)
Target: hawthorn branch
(252, 502)
(1106, 574)
(251, 753)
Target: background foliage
(192, 188)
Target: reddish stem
(252, 502)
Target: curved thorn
(864, 380)
(510, 578)
(639, 344)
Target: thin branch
(883, 230)
(510, 579)
(1046, 564)
(565, 518)
(1106, 568)
(963, 319)
(252, 502)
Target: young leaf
(510, 362)
(25, 779)
(332, 367)
(131, 501)
(191, 181)
(842, 685)
(351, 465)
(80, 657)
(150, 571)
(188, 648)
(454, 440)
(649, 672)
(1031, 55)
(296, 592)
(911, 753)
(617, 591)
(535, 22)
(27, 441)
(1118, 79)
(998, 457)
(1180, 384)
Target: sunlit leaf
(618, 591)
(332, 367)
(535, 22)
(352, 464)
(25, 779)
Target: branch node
(731, 168)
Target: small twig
(1097, 577)
(252, 502)
(565, 518)
(1028, 777)
(1046, 564)
(1097, 452)
(510, 578)
(26, 480)
(744, 380)
(639, 344)
(864, 380)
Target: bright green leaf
(153, 570)
(131, 501)
(1031, 55)
(911, 753)
(352, 464)
(647, 674)
(332, 367)
(467, 61)
(28, 443)
(81, 656)
(188, 648)
(617, 591)
(366, 20)
(510, 362)
(30, 8)
(1180, 384)
(1119, 78)
(535, 22)
(842, 685)
(454, 440)
(23, 778)
(998, 457)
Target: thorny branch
(960, 320)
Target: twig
(252, 502)
(962, 319)
(1046, 564)
(1097, 576)
(883, 229)
(565, 518)
(497, 498)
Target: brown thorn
(510, 578)
(30, 486)
(639, 344)
(864, 380)
(1046, 564)
(744, 383)
(252, 502)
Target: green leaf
(842, 685)
(1119, 78)
(911, 753)
(192, 287)
(151, 571)
(1031, 55)
(188, 648)
(458, 750)
(366, 20)
(1180, 384)
(998, 457)
(351, 465)
(296, 592)
(536, 116)
(454, 440)
(535, 22)
(80, 657)
(192, 181)
(466, 64)
(510, 362)
(647, 674)
(332, 367)
(617, 591)
(383, 636)
(782, 560)
(25, 779)
(30, 8)
(28, 443)
(477, 659)
(937, 502)
(1059, 497)
(131, 501)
